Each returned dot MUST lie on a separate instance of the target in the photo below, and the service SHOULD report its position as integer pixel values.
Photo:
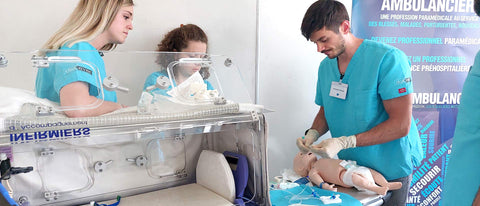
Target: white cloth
(352, 167)
(14, 99)
(331, 199)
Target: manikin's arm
(317, 180)
(76, 94)
(396, 126)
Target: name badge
(339, 90)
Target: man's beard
(341, 48)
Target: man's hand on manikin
(329, 148)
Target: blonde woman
(94, 25)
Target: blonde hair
(89, 19)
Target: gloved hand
(330, 147)
(303, 143)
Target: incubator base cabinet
(167, 163)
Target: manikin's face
(187, 70)
(328, 42)
(121, 25)
(303, 162)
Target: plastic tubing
(53, 123)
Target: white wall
(230, 25)
(288, 66)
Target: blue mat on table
(303, 195)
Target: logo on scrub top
(402, 90)
(405, 80)
(83, 69)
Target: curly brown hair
(176, 40)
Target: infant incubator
(196, 140)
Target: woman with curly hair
(188, 41)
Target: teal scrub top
(462, 179)
(152, 79)
(50, 80)
(375, 73)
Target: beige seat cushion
(214, 173)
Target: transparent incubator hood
(151, 87)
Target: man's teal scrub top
(376, 72)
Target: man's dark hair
(323, 13)
(476, 7)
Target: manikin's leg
(380, 180)
(363, 182)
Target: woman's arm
(76, 94)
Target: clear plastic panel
(102, 164)
(63, 171)
(200, 78)
(166, 158)
(158, 73)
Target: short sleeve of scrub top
(396, 80)
(90, 70)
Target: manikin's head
(302, 163)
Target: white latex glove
(330, 147)
(303, 143)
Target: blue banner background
(440, 38)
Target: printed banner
(440, 37)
